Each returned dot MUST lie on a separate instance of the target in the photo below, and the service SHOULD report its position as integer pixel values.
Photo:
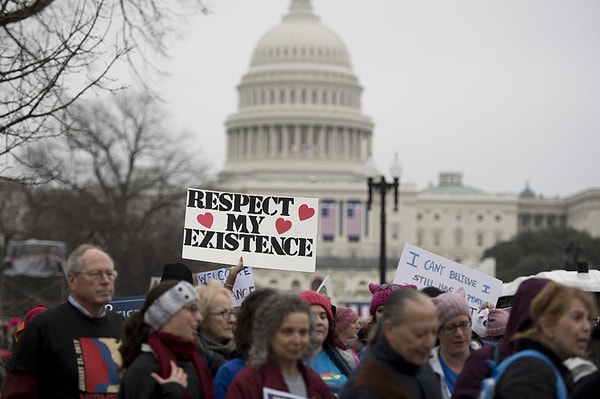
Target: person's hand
(177, 375)
(233, 272)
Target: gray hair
(268, 319)
(74, 263)
(395, 307)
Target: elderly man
(71, 351)
(397, 364)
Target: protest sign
(270, 393)
(243, 286)
(126, 305)
(271, 232)
(423, 269)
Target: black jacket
(383, 373)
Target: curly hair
(134, 331)
(242, 335)
(268, 318)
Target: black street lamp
(383, 187)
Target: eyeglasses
(451, 328)
(193, 308)
(98, 274)
(225, 314)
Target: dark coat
(383, 373)
(475, 369)
(530, 377)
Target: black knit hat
(178, 272)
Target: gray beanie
(169, 303)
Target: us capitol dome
(299, 116)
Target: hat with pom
(496, 323)
(316, 298)
(382, 292)
(169, 303)
(450, 305)
(344, 318)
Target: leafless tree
(117, 176)
(53, 52)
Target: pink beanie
(496, 323)
(450, 305)
(315, 298)
(344, 317)
(381, 295)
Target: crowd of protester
(189, 341)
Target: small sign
(126, 305)
(269, 393)
(243, 286)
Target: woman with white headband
(158, 347)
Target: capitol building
(299, 131)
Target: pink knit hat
(496, 323)
(315, 298)
(451, 304)
(382, 292)
(344, 317)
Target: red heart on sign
(283, 225)
(305, 212)
(205, 219)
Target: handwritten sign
(271, 232)
(423, 269)
(243, 286)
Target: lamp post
(383, 187)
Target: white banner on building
(271, 232)
(423, 269)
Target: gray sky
(503, 91)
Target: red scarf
(168, 347)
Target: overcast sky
(504, 92)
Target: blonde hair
(207, 293)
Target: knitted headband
(315, 298)
(450, 305)
(344, 318)
(169, 303)
(381, 293)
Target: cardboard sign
(271, 232)
(243, 286)
(423, 269)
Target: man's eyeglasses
(99, 274)
(451, 328)
(225, 314)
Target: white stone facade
(299, 131)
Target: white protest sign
(243, 286)
(423, 269)
(271, 232)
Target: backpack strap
(561, 389)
